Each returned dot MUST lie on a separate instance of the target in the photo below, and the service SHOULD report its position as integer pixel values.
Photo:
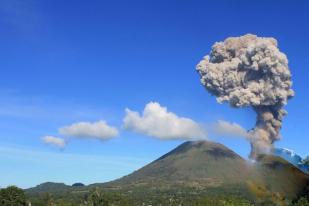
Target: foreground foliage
(13, 196)
(102, 197)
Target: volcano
(207, 166)
(202, 169)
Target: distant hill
(78, 184)
(293, 158)
(51, 187)
(204, 168)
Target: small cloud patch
(54, 141)
(97, 130)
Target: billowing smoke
(250, 71)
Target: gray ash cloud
(250, 71)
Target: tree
(12, 196)
(48, 199)
(97, 198)
(302, 202)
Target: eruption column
(250, 71)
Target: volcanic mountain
(208, 166)
(197, 162)
(203, 168)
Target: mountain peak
(196, 162)
(211, 148)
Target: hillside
(51, 187)
(202, 169)
(278, 175)
(192, 163)
(212, 168)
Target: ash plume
(250, 71)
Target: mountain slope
(201, 168)
(201, 162)
(48, 187)
(281, 176)
(206, 166)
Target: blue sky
(70, 61)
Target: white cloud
(225, 128)
(157, 122)
(98, 130)
(55, 141)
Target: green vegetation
(12, 196)
(303, 201)
(100, 197)
(193, 174)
